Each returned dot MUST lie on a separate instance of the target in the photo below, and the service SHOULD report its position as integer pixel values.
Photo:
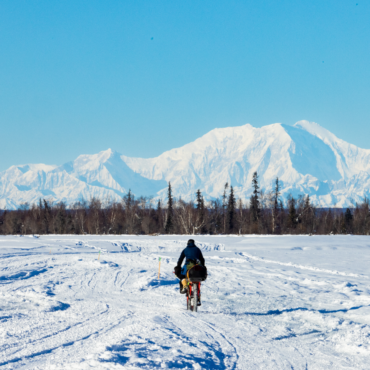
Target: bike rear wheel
(194, 298)
(188, 298)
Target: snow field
(290, 302)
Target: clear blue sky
(142, 77)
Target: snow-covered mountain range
(306, 157)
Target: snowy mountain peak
(307, 158)
(95, 159)
(309, 126)
(315, 129)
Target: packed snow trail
(268, 303)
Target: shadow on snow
(23, 275)
(139, 355)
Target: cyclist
(193, 257)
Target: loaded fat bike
(196, 273)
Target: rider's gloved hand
(177, 270)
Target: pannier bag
(197, 273)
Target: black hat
(191, 241)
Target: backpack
(196, 272)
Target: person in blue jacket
(192, 255)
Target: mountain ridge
(307, 158)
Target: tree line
(263, 213)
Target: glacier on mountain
(307, 158)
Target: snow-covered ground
(290, 302)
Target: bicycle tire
(195, 297)
(188, 298)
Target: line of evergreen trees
(265, 213)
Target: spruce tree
(128, 199)
(348, 220)
(307, 215)
(158, 217)
(231, 210)
(254, 200)
(70, 224)
(275, 210)
(46, 216)
(216, 217)
(204, 228)
(61, 218)
(292, 216)
(200, 212)
(224, 207)
(199, 201)
(16, 224)
(169, 223)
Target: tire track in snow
(86, 280)
(86, 323)
(194, 341)
(83, 326)
(302, 267)
(46, 351)
(211, 326)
